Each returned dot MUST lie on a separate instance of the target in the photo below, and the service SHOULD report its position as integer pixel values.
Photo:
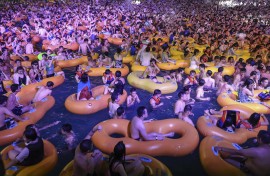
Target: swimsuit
(157, 100)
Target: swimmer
(133, 98)
(185, 115)
(120, 113)
(191, 79)
(43, 91)
(155, 100)
(114, 104)
(209, 82)
(200, 91)
(151, 72)
(69, 136)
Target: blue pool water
(82, 124)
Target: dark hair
(114, 96)
(2, 167)
(14, 87)
(84, 78)
(220, 69)
(202, 66)
(118, 154)
(20, 68)
(119, 87)
(30, 126)
(229, 121)
(192, 71)
(107, 71)
(254, 119)
(201, 82)
(262, 80)
(188, 108)
(50, 84)
(248, 82)
(243, 70)
(34, 62)
(153, 60)
(120, 110)
(226, 78)
(196, 51)
(118, 73)
(147, 49)
(3, 99)
(156, 92)
(67, 127)
(118, 50)
(209, 72)
(30, 134)
(180, 94)
(86, 146)
(132, 89)
(140, 111)
(253, 73)
(264, 136)
(186, 88)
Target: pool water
(188, 165)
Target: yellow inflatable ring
(168, 147)
(91, 106)
(32, 57)
(171, 66)
(128, 59)
(154, 166)
(241, 135)
(225, 99)
(228, 70)
(42, 168)
(115, 41)
(175, 52)
(100, 71)
(211, 161)
(72, 63)
(149, 85)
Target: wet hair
(17, 60)
(187, 108)
(14, 87)
(118, 73)
(140, 111)
(50, 84)
(118, 50)
(202, 66)
(243, 70)
(20, 68)
(264, 136)
(180, 69)
(67, 127)
(120, 110)
(107, 71)
(118, 154)
(84, 78)
(262, 80)
(209, 73)
(147, 49)
(248, 82)
(44, 55)
(30, 134)
(201, 82)
(86, 146)
(119, 87)
(196, 51)
(34, 62)
(220, 69)
(156, 92)
(192, 71)
(3, 99)
(114, 96)
(132, 90)
(254, 119)
(253, 73)
(186, 88)
(226, 78)
(30, 126)
(153, 60)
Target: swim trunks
(17, 110)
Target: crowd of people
(148, 32)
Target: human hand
(160, 138)
(161, 104)
(208, 98)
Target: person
(179, 75)
(21, 78)
(86, 163)
(6, 112)
(107, 79)
(118, 59)
(147, 57)
(122, 165)
(185, 115)
(218, 76)
(31, 154)
(263, 84)
(84, 47)
(194, 61)
(84, 88)
(114, 104)
(209, 82)
(253, 161)
(165, 56)
(238, 78)
(151, 72)
(191, 79)
(34, 73)
(226, 85)
(69, 136)
(138, 131)
(202, 73)
(253, 121)
(43, 91)
(155, 100)
(2, 87)
(133, 97)
(2, 167)
(200, 91)
(13, 102)
(187, 97)
(170, 77)
(180, 103)
(120, 113)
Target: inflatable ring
(182, 146)
(115, 41)
(91, 106)
(28, 92)
(41, 169)
(212, 162)
(32, 57)
(128, 59)
(175, 52)
(7, 84)
(228, 70)
(10, 135)
(71, 46)
(100, 71)
(154, 166)
(148, 85)
(241, 135)
(73, 62)
(135, 67)
(225, 99)
(171, 66)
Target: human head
(133, 91)
(66, 128)
(201, 82)
(201, 67)
(264, 82)
(20, 70)
(188, 109)
(50, 84)
(153, 61)
(187, 89)
(14, 87)
(119, 151)
(248, 83)
(242, 71)
(86, 146)
(192, 73)
(107, 72)
(3, 100)
(30, 135)
(118, 74)
(181, 94)
(34, 64)
(220, 69)
(119, 50)
(84, 78)
(209, 73)
(157, 92)
(254, 119)
(263, 137)
(142, 112)
(120, 111)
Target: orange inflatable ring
(41, 107)
(212, 162)
(228, 70)
(241, 135)
(72, 63)
(104, 36)
(7, 84)
(32, 57)
(71, 46)
(91, 106)
(116, 41)
(154, 166)
(42, 168)
(100, 70)
(28, 92)
(168, 147)
(82, 28)
(225, 99)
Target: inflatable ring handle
(145, 159)
(238, 147)
(215, 152)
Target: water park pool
(82, 124)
